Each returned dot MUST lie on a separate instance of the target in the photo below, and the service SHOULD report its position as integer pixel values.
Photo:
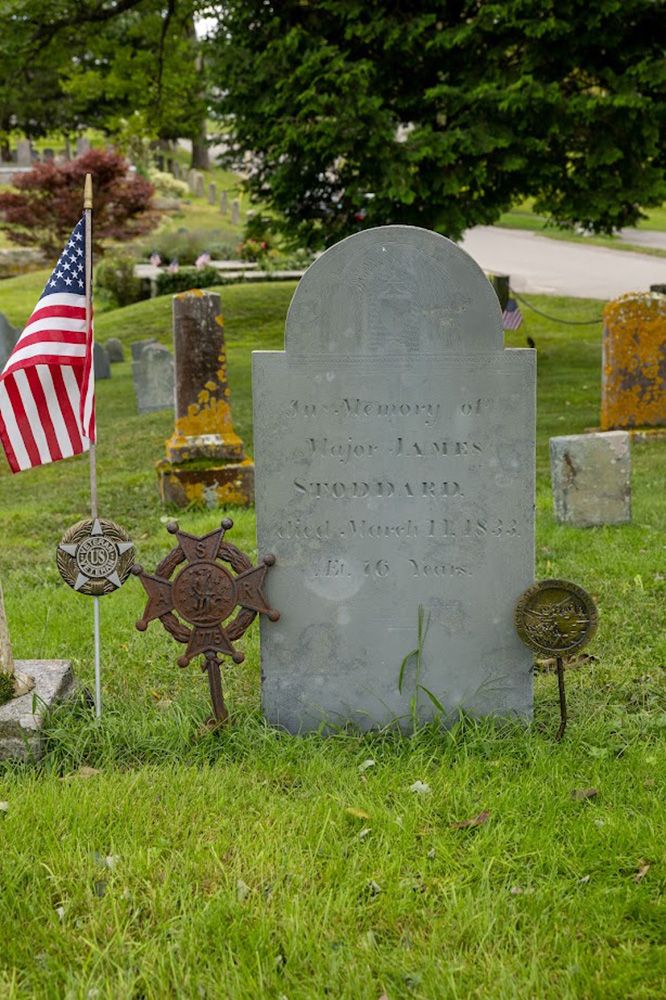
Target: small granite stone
(8, 338)
(22, 718)
(235, 212)
(591, 478)
(153, 379)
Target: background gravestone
(115, 350)
(101, 360)
(82, 145)
(224, 203)
(137, 348)
(235, 212)
(591, 478)
(152, 375)
(9, 336)
(24, 153)
(633, 385)
(212, 194)
(394, 446)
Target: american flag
(512, 317)
(47, 387)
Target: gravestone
(633, 386)
(394, 444)
(205, 458)
(235, 212)
(101, 361)
(137, 348)
(82, 146)
(9, 335)
(175, 169)
(591, 478)
(24, 153)
(152, 376)
(212, 194)
(115, 350)
(224, 203)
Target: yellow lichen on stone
(634, 362)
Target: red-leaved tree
(49, 202)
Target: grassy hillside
(246, 863)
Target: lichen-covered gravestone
(115, 350)
(633, 386)
(101, 362)
(205, 458)
(394, 450)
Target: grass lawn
(247, 863)
(522, 216)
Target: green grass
(237, 868)
(522, 216)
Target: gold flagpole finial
(87, 192)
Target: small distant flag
(47, 387)
(512, 317)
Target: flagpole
(87, 215)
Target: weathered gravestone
(101, 361)
(633, 386)
(212, 194)
(82, 145)
(9, 335)
(394, 445)
(591, 478)
(224, 203)
(115, 350)
(205, 458)
(152, 375)
(24, 153)
(235, 212)
(137, 348)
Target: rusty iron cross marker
(556, 617)
(204, 594)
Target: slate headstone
(235, 212)
(394, 447)
(224, 203)
(24, 153)
(633, 384)
(199, 185)
(212, 194)
(591, 478)
(101, 360)
(153, 379)
(115, 350)
(137, 348)
(8, 337)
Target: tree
(443, 113)
(49, 202)
(103, 63)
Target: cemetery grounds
(149, 857)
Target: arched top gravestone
(394, 290)
(394, 453)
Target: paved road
(554, 267)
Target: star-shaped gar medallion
(95, 556)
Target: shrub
(186, 245)
(49, 202)
(116, 277)
(167, 185)
(185, 279)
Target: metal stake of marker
(87, 213)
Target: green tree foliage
(119, 65)
(441, 114)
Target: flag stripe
(22, 422)
(32, 415)
(12, 442)
(47, 325)
(48, 407)
(67, 412)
